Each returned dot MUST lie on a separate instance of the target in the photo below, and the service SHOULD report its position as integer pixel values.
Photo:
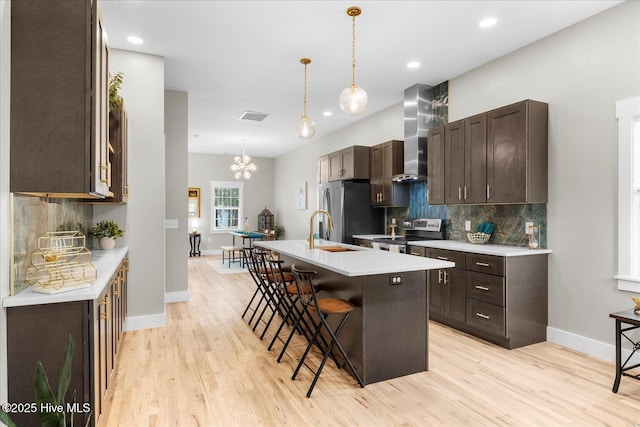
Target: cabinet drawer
(454, 256)
(490, 264)
(486, 317)
(485, 287)
(417, 250)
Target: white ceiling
(234, 56)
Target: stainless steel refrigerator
(348, 204)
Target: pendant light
(243, 166)
(305, 127)
(353, 100)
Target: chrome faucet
(329, 224)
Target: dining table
(246, 235)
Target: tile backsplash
(34, 216)
(509, 220)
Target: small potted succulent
(106, 232)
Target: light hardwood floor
(207, 368)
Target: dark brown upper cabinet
(495, 157)
(387, 160)
(517, 153)
(323, 169)
(349, 163)
(435, 166)
(59, 99)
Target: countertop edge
(354, 266)
(105, 262)
(486, 249)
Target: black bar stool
(323, 307)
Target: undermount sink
(335, 249)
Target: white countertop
(373, 236)
(359, 262)
(487, 249)
(105, 262)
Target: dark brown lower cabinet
(501, 299)
(40, 333)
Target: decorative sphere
(305, 127)
(353, 100)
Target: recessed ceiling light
(488, 22)
(327, 113)
(413, 64)
(135, 40)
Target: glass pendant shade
(353, 100)
(305, 127)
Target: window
(226, 205)
(628, 115)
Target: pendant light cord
(305, 90)
(353, 50)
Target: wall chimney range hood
(418, 119)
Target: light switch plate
(527, 227)
(170, 224)
(467, 226)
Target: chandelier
(243, 166)
(353, 99)
(305, 127)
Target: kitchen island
(387, 335)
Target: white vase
(107, 243)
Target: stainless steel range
(415, 230)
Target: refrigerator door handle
(327, 199)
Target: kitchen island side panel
(395, 332)
(386, 334)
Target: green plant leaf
(44, 397)
(6, 419)
(65, 372)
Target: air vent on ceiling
(253, 116)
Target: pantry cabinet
(387, 160)
(59, 99)
(40, 332)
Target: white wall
(258, 193)
(580, 71)
(5, 82)
(176, 130)
(143, 216)
(302, 164)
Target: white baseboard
(589, 346)
(134, 323)
(181, 296)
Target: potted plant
(115, 81)
(106, 232)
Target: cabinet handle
(484, 316)
(446, 277)
(465, 192)
(416, 253)
(482, 264)
(443, 258)
(482, 288)
(439, 276)
(488, 191)
(126, 191)
(459, 193)
(105, 315)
